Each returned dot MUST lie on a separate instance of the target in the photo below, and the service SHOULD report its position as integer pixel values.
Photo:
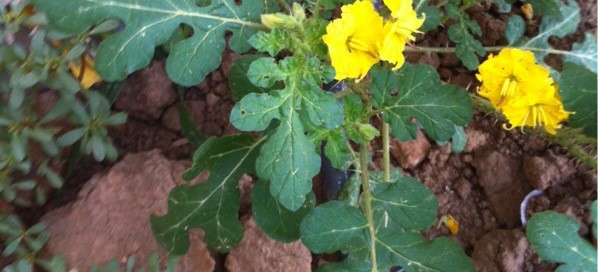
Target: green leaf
(272, 42)
(515, 28)
(408, 203)
(577, 87)
(71, 137)
(238, 82)
(547, 7)
(414, 253)
(559, 26)
(436, 107)
(585, 53)
(459, 140)
(331, 226)
(151, 23)
(432, 14)
(554, 238)
(213, 204)
(274, 219)
(288, 158)
(504, 6)
(463, 33)
(264, 72)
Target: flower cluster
(361, 38)
(522, 90)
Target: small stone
(258, 253)
(463, 188)
(475, 139)
(409, 154)
(145, 94)
(500, 250)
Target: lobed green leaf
(420, 94)
(213, 204)
(577, 87)
(275, 220)
(554, 238)
(151, 23)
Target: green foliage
(31, 69)
(149, 24)
(420, 94)
(547, 7)
(577, 87)
(409, 207)
(21, 243)
(462, 33)
(560, 25)
(211, 205)
(585, 53)
(515, 29)
(554, 238)
(288, 158)
(238, 82)
(153, 265)
(274, 219)
(432, 14)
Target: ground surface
(481, 187)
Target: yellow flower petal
(353, 40)
(90, 76)
(399, 31)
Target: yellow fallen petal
(90, 76)
(451, 223)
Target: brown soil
(481, 188)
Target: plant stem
(488, 49)
(343, 93)
(365, 184)
(386, 151)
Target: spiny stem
(488, 49)
(365, 185)
(386, 151)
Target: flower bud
(274, 20)
(298, 12)
(368, 132)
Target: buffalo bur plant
(290, 50)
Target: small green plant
(554, 238)
(278, 86)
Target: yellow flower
(399, 31)
(352, 40)
(537, 109)
(508, 74)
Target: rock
(258, 253)
(543, 172)
(410, 154)
(110, 218)
(463, 188)
(500, 176)
(146, 93)
(475, 139)
(500, 250)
